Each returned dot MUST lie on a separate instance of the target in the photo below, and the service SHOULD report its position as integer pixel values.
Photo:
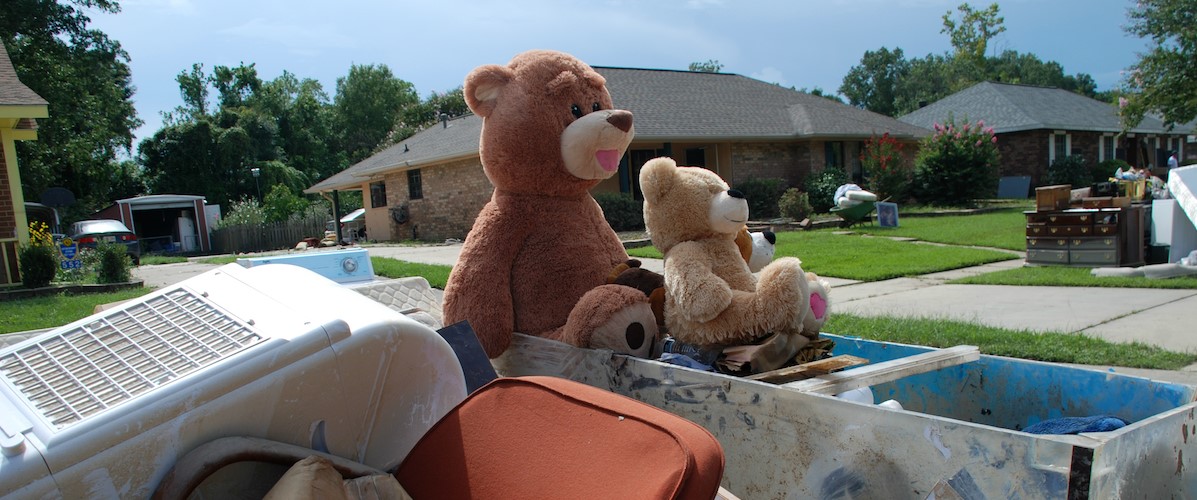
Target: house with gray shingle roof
(431, 185)
(19, 109)
(1037, 125)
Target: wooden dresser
(1086, 237)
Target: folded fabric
(1077, 425)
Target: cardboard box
(1053, 197)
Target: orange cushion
(545, 437)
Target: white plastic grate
(93, 368)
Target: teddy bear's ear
(483, 86)
(656, 177)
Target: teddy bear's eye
(595, 107)
(576, 111)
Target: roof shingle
(668, 106)
(1014, 108)
(12, 91)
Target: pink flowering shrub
(956, 165)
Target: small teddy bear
(712, 298)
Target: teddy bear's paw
(631, 330)
(820, 306)
(783, 281)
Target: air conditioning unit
(103, 407)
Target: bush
(794, 204)
(39, 264)
(956, 165)
(762, 196)
(112, 265)
(39, 258)
(622, 212)
(886, 173)
(1069, 170)
(820, 188)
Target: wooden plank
(888, 371)
(808, 370)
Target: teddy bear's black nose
(735, 194)
(621, 119)
(635, 335)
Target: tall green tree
(84, 75)
(368, 103)
(970, 34)
(873, 84)
(887, 83)
(1164, 80)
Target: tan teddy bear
(712, 299)
(550, 133)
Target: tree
(818, 91)
(1164, 80)
(711, 66)
(84, 75)
(971, 34)
(367, 105)
(873, 84)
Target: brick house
(431, 186)
(1036, 125)
(19, 107)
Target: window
(1059, 146)
(833, 154)
(696, 157)
(1107, 150)
(378, 194)
(415, 187)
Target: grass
(56, 310)
(151, 260)
(1054, 346)
(1003, 228)
(220, 260)
(852, 256)
(1071, 276)
(437, 275)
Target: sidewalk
(1163, 318)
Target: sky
(434, 44)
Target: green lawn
(852, 256)
(1071, 276)
(1004, 228)
(1054, 347)
(56, 310)
(436, 275)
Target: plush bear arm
(698, 294)
(479, 287)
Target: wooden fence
(266, 237)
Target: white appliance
(187, 235)
(349, 265)
(1174, 221)
(103, 407)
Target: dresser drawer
(1047, 243)
(1047, 256)
(1108, 243)
(1105, 230)
(1066, 219)
(1094, 257)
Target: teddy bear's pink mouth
(608, 159)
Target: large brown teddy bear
(550, 133)
(711, 297)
